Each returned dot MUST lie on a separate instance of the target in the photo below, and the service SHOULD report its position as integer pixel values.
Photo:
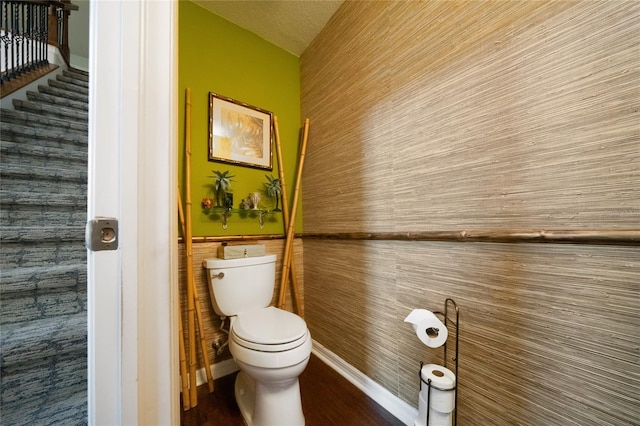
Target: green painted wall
(218, 56)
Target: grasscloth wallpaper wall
(453, 116)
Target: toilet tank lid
(217, 263)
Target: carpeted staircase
(43, 279)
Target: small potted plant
(273, 189)
(222, 183)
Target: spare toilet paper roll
(439, 419)
(442, 395)
(429, 329)
(436, 418)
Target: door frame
(132, 291)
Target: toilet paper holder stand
(447, 321)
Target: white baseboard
(394, 405)
(219, 369)
(79, 62)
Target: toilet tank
(240, 285)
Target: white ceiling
(289, 24)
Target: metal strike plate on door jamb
(102, 234)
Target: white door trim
(132, 292)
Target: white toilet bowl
(272, 348)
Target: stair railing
(59, 25)
(26, 27)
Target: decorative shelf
(224, 213)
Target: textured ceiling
(289, 24)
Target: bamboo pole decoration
(285, 202)
(305, 137)
(203, 343)
(620, 237)
(288, 248)
(186, 401)
(189, 250)
(196, 300)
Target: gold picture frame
(239, 133)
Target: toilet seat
(272, 358)
(269, 330)
(269, 348)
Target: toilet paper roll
(423, 407)
(429, 329)
(439, 419)
(442, 396)
(436, 418)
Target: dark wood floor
(327, 399)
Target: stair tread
(78, 72)
(67, 410)
(39, 277)
(24, 341)
(28, 171)
(69, 200)
(72, 80)
(57, 100)
(61, 137)
(36, 215)
(34, 393)
(63, 93)
(42, 254)
(68, 86)
(10, 234)
(56, 111)
(9, 148)
(40, 188)
(28, 118)
(50, 303)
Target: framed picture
(239, 133)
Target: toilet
(270, 346)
